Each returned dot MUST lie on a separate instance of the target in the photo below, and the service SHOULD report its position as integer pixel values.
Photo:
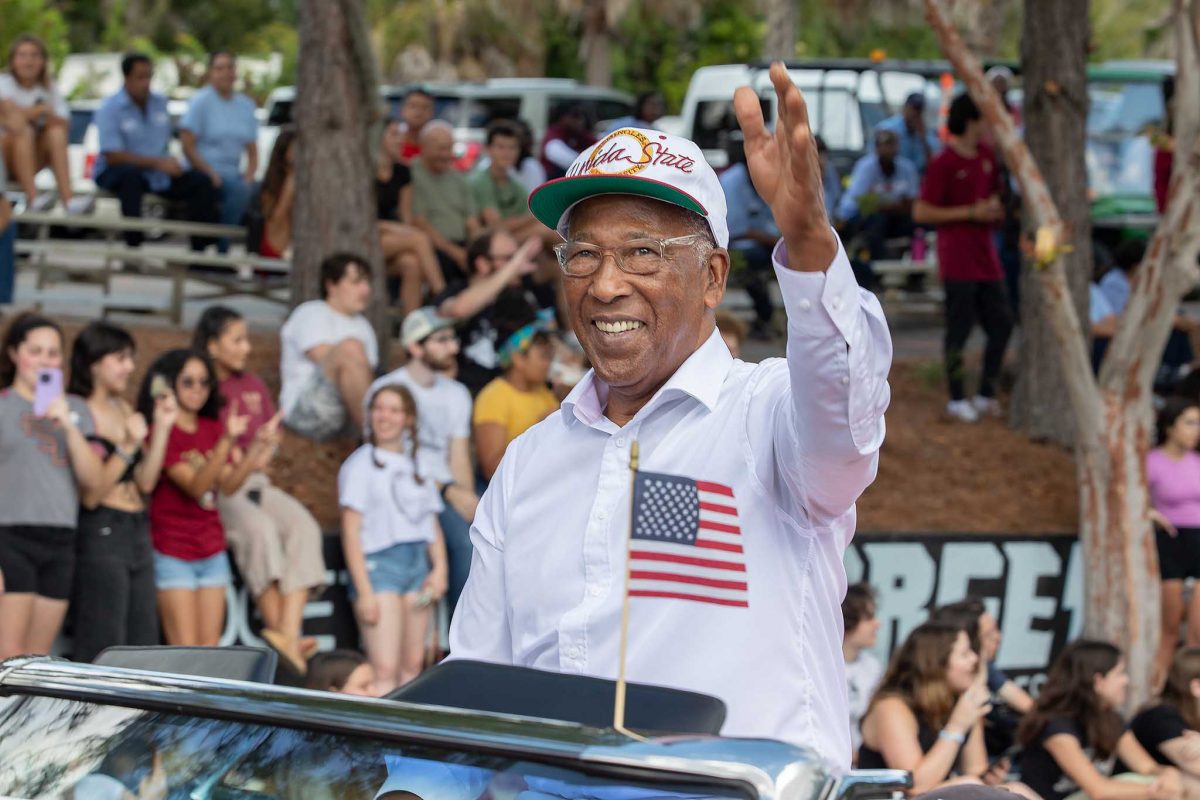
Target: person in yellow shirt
(517, 400)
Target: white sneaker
(986, 406)
(43, 202)
(81, 204)
(962, 410)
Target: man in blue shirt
(752, 233)
(135, 130)
(878, 202)
(917, 144)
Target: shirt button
(805, 305)
(620, 441)
(572, 652)
(837, 303)
(595, 591)
(845, 379)
(602, 514)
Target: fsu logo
(627, 152)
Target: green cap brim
(551, 200)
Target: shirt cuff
(818, 303)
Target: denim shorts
(400, 569)
(206, 573)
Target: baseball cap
(422, 323)
(639, 162)
(915, 100)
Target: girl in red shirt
(191, 570)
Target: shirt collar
(701, 377)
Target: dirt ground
(934, 475)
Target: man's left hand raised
(787, 172)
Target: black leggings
(114, 601)
(966, 303)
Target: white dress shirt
(797, 440)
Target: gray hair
(436, 126)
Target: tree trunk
(1054, 59)
(337, 115)
(597, 43)
(1113, 416)
(782, 17)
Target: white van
(846, 99)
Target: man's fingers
(749, 114)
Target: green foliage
(1130, 29)
(36, 17)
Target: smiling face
(112, 372)
(28, 64)
(231, 348)
(192, 387)
(638, 329)
(41, 349)
(389, 417)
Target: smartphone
(158, 387)
(49, 388)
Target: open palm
(786, 171)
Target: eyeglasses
(188, 382)
(635, 257)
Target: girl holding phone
(45, 462)
(274, 539)
(114, 576)
(191, 570)
(392, 541)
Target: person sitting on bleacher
(877, 205)
(439, 201)
(328, 353)
(34, 117)
(752, 234)
(217, 129)
(135, 130)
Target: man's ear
(716, 277)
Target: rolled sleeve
(839, 352)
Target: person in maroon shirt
(191, 571)
(960, 196)
(274, 539)
(565, 139)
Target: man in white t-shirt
(863, 670)
(328, 353)
(443, 430)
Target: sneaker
(81, 204)
(986, 406)
(962, 410)
(43, 202)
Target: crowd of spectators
(944, 711)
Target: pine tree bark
(337, 117)
(1054, 45)
(1113, 412)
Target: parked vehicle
(69, 729)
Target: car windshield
(72, 750)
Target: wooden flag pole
(619, 706)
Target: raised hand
(166, 411)
(236, 424)
(526, 255)
(135, 429)
(786, 172)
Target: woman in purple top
(1173, 477)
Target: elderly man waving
(752, 470)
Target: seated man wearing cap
(443, 430)
(918, 144)
(747, 473)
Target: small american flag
(687, 544)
